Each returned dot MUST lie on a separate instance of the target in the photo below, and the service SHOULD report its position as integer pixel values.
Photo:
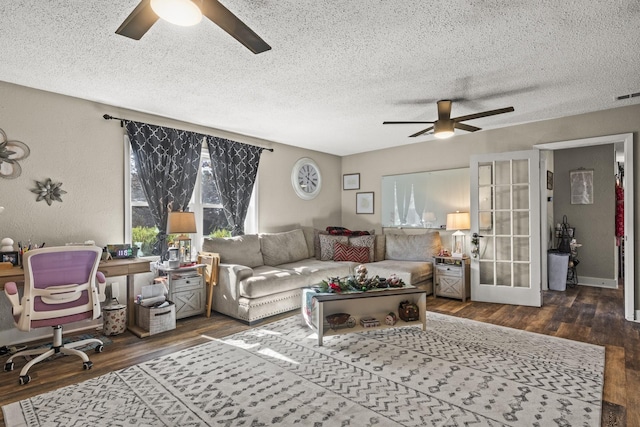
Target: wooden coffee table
(376, 303)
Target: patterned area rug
(459, 372)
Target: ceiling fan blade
(421, 132)
(403, 123)
(226, 20)
(138, 22)
(466, 127)
(483, 114)
(444, 109)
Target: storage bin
(156, 320)
(557, 265)
(114, 319)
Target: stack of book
(369, 322)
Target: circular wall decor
(306, 179)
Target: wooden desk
(116, 267)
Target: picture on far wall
(364, 203)
(549, 180)
(581, 187)
(351, 181)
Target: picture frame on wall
(351, 181)
(581, 186)
(11, 257)
(364, 203)
(549, 180)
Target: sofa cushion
(243, 250)
(268, 280)
(412, 247)
(411, 272)
(317, 253)
(281, 248)
(309, 234)
(379, 246)
(367, 241)
(313, 271)
(342, 252)
(326, 245)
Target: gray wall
(595, 224)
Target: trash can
(557, 265)
(114, 319)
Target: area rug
(458, 372)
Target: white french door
(505, 213)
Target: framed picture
(581, 187)
(364, 203)
(351, 181)
(11, 257)
(549, 180)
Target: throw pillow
(316, 242)
(342, 252)
(416, 247)
(283, 248)
(326, 245)
(366, 241)
(242, 250)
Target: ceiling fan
(445, 125)
(186, 13)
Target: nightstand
(186, 290)
(451, 277)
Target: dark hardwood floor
(592, 315)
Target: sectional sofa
(262, 274)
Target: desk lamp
(182, 223)
(458, 221)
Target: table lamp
(458, 221)
(182, 223)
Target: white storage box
(156, 320)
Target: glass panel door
(505, 215)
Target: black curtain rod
(109, 117)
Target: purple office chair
(59, 288)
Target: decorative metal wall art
(48, 191)
(10, 153)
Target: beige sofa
(262, 275)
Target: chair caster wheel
(87, 365)
(8, 367)
(24, 379)
(99, 348)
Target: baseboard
(598, 282)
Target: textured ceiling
(337, 68)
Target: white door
(505, 212)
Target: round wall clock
(306, 178)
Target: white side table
(451, 277)
(186, 289)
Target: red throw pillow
(342, 252)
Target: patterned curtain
(167, 160)
(235, 166)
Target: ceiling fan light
(443, 129)
(179, 12)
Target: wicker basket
(156, 320)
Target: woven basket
(156, 320)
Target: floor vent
(631, 95)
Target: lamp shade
(458, 221)
(181, 222)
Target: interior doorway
(625, 142)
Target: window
(210, 218)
